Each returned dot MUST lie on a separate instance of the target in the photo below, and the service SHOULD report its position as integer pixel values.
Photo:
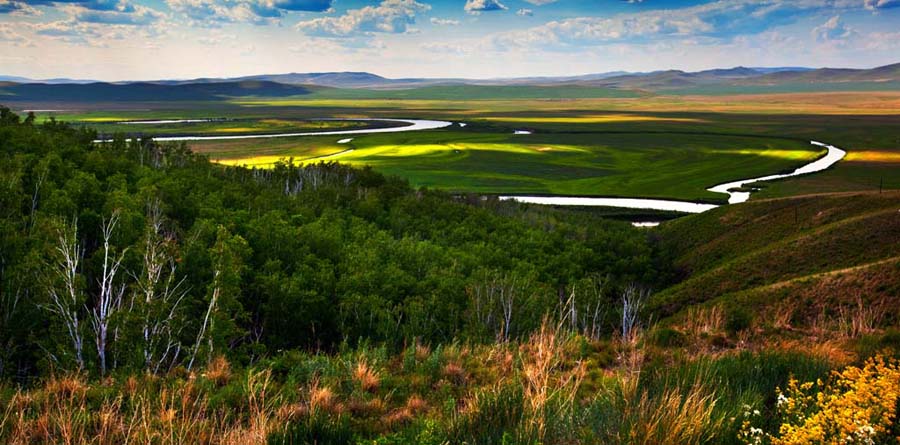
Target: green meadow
(599, 144)
(573, 164)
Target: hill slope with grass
(103, 92)
(821, 252)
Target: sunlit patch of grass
(873, 156)
(235, 130)
(373, 153)
(592, 119)
(104, 119)
(794, 155)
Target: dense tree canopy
(169, 259)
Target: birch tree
(109, 297)
(66, 298)
(220, 322)
(158, 295)
(633, 300)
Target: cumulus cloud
(444, 22)
(445, 48)
(81, 33)
(133, 15)
(722, 19)
(10, 35)
(525, 12)
(213, 13)
(832, 30)
(476, 7)
(17, 7)
(391, 16)
(117, 12)
(881, 4)
(882, 41)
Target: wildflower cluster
(858, 406)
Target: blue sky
(152, 39)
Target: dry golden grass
(323, 399)
(860, 319)
(416, 404)
(218, 371)
(546, 377)
(700, 321)
(61, 412)
(454, 373)
(422, 352)
(674, 418)
(365, 376)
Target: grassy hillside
(823, 251)
(107, 92)
(480, 92)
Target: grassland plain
(631, 146)
(216, 127)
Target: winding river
(735, 196)
(414, 125)
(833, 155)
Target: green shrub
(317, 429)
(668, 338)
(738, 319)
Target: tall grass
(537, 392)
(627, 414)
(67, 410)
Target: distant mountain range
(738, 79)
(741, 76)
(144, 91)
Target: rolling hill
(108, 92)
(713, 81)
(815, 251)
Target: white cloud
(213, 13)
(476, 7)
(444, 22)
(524, 12)
(721, 20)
(832, 30)
(15, 7)
(881, 4)
(391, 16)
(446, 48)
(882, 41)
(12, 36)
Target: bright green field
(670, 166)
(651, 146)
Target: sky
(182, 39)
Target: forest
(134, 255)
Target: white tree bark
(207, 320)
(109, 299)
(160, 295)
(65, 302)
(633, 300)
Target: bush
(668, 338)
(318, 429)
(739, 319)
